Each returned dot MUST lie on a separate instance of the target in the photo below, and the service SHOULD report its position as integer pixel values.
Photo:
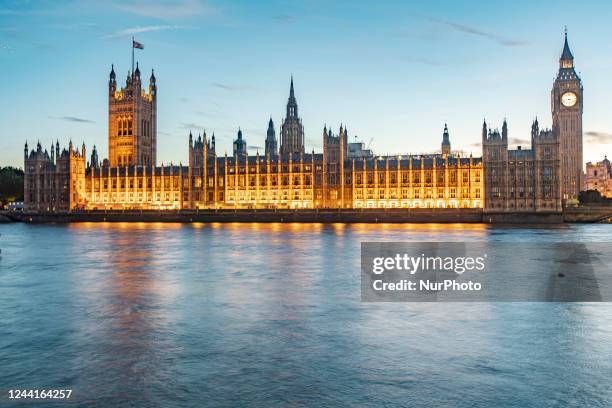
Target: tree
(11, 184)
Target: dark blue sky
(393, 72)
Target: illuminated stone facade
(503, 180)
(132, 121)
(56, 180)
(599, 177)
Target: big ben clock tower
(567, 105)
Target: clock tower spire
(567, 106)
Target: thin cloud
(126, 32)
(255, 148)
(599, 137)
(501, 40)
(166, 10)
(191, 126)
(233, 88)
(73, 119)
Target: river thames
(193, 315)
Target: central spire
(292, 108)
(292, 131)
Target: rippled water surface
(270, 315)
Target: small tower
(271, 144)
(535, 130)
(240, 145)
(152, 84)
(484, 131)
(505, 130)
(112, 81)
(446, 146)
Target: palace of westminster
(344, 175)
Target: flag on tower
(136, 44)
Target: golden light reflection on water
(406, 230)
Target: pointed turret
(566, 54)
(292, 131)
(240, 145)
(484, 131)
(94, 158)
(271, 148)
(505, 130)
(292, 108)
(152, 84)
(566, 63)
(112, 82)
(446, 146)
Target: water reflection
(270, 315)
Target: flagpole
(132, 55)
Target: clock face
(569, 99)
